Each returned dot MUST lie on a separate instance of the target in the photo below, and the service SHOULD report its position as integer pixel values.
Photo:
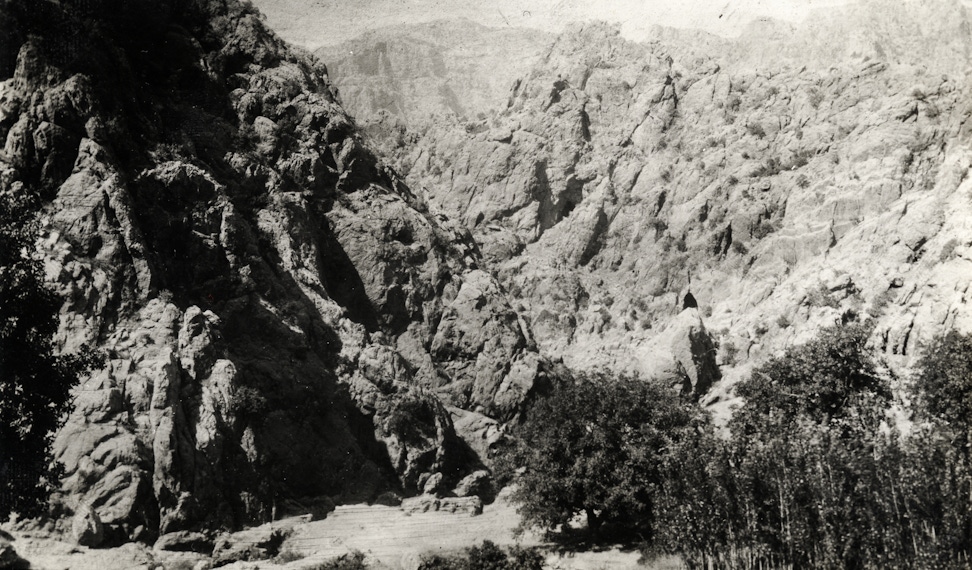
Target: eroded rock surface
(780, 193)
(280, 314)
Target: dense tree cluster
(812, 472)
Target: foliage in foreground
(813, 472)
(487, 556)
(35, 383)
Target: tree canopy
(594, 446)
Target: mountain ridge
(282, 318)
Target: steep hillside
(280, 313)
(448, 67)
(632, 191)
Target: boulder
(459, 505)
(433, 485)
(86, 527)
(9, 559)
(389, 499)
(186, 541)
(478, 483)
(258, 543)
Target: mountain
(296, 312)
(630, 190)
(934, 37)
(284, 320)
(415, 73)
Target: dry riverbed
(389, 538)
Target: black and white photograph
(485, 285)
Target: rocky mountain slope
(282, 317)
(631, 193)
(414, 73)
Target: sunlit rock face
(784, 180)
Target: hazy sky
(313, 23)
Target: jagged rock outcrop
(785, 197)
(276, 307)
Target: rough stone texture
(784, 193)
(268, 294)
(86, 527)
(414, 73)
(257, 543)
(9, 559)
(478, 483)
(186, 541)
(425, 503)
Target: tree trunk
(593, 522)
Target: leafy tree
(938, 480)
(596, 446)
(829, 378)
(35, 383)
(943, 384)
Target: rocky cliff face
(633, 196)
(444, 68)
(282, 317)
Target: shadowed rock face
(281, 316)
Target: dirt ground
(389, 538)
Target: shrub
(248, 402)
(354, 560)
(756, 130)
(412, 417)
(487, 556)
(948, 250)
(820, 296)
(522, 558)
(815, 98)
(288, 555)
(732, 352)
(763, 229)
(771, 167)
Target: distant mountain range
(453, 67)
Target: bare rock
(478, 483)
(86, 527)
(258, 543)
(433, 485)
(186, 541)
(9, 559)
(298, 287)
(459, 505)
(389, 499)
